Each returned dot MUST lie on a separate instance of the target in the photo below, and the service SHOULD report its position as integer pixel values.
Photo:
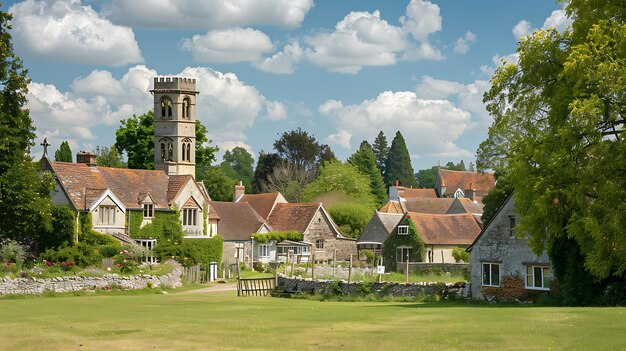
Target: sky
(342, 70)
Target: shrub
(95, 238)
(81, 254)
(369, 256)
(460, 255)
(109, 250)
(351, 218)
(126, 260)
(192, 251)
(63, 228)
(13, 251)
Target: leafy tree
(62, 230)
(205, 153)
(303, 150)
(365, 161)
(413, 240)
(289, 179)
(558, 131)
(398, 164)
(237, 165)
(471, 167)
(426, 178)
(381, 150)
(264, 167)
(496, 196)
(219, 185)
(109, 157)
(456, 167)
(343, 178)
(63, 153)
(351, 218)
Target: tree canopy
(398, 164)
(63, 153)
(237, 165)
(381, 150)
(342, 178)
(109, 157)
(303, 150)
(365, 161)
(558, 131)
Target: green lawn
(221, 321)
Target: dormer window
(148, 210)
(403, 230)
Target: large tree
(237, 165)
(342, 178)
(109, 157)
(381, 150)
(302, 149)
(559, 116)
(219, 185)
(264, 167)
(398, 164)
(365, 161)
(63, 153)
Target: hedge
(277, 236)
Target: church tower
(175, 125)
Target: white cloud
(208, 14)
(275, 110)
(229, 46)
(558, 20)
(462, 44)
(429, 127)
(282, 62)
(364, 39)
(431, 88)
(66, 31)
(522, 29)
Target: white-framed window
(403, 254)
(190, 216)
(264, 250)
(538, 277)
(491, 274)
(296, 250)
(106, 214)
(459, 193)
(319, 244)
(403, 230)
(148, 210)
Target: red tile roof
(176, 182)
(238, 220)
(454, 180)
(428, 205)
(292, 217)
(262, 203)
(84, 184)
(451, 229)
(416, 192)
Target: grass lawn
(222, 321)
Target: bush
(94, 238)
(460, 255)
(351, 218)
(192, 251)
(107, 251)
(369, 256)
(81, 254)
(126, 260)
(13, 251)
(63, 228)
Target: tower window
(162, 151)
(184, 151)
(170, 152)
(166, 107)
(186, 108)
(189, 152)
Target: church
(121, 201)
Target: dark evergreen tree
(381, 149)
(63, 153)
(365, 161)
(264, 167)
(398, 165)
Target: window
(511, 225)
(459, 193)
(403, 230)
(148, 210)
(189, 216)
(188, 152)
(106, 215)
(162, 151)
(166, 107)
(297, 250)
(184, 151)
(491, 274)
(170, 152)
(186, 108)
(319, 244)
(403, 254)
(264, 251)
(538, 277)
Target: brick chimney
(469, 193)
(86, 157)
(240, 190)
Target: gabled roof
(465, 205)
(379, 227)
(428, 205)
(451, 229)
(492, 221)
(84, 184)
(263, 203)
(293, 217)
(416, 192)
(392, 206)
(176, 183)
(237, 220)
(453, 180)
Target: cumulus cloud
(229, 46)
(282, 62)
(522, 29)
(462, 44)
(97, 102)
(364, 39)
(66, 31)
(208, 14)
(429, 127)
(558, 20)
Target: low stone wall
(295, 285)
(10, 286)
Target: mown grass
(222, 321)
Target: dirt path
(212, 288)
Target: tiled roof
(238, 220)
(415, 192)
(85, 184)
(465, 205)
(428, 205)
(454, 180)
(176, 182)
(451, 229)
(379, 227)
(292, 217)
(262, 203)
(391, 207)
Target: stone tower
(175, 125)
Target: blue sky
(341, 70)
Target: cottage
(471, 185)
(499, 254)
(377, 231)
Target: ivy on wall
(277, 236)
(413, 240)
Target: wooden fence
(255, 286)
(197, 273)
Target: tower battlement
(174, 83)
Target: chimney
(239, 191)
(469, 193)
(86, 157)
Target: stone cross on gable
(45, 145)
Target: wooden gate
(255, 286)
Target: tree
(398, 164)
(109, 157)
(237, 165)
(426, 178)
(496, 196)
(341, 178)
(205, 153)
(365, 161)
(289, 179)
(301, 149)
(351, 218)
(264, 167)
(381, 150)
(63, 153)
(558, 132)
(219, 185)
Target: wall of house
(119, 226)
(321, 229)
(267, 259)
(440, 253)
(189, 190)
(497, 245)
(59, 198)
(229, 255)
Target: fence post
(406, 270)
(334, 261)
(350, 270)
(313, 266)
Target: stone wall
(10, 286)
(295, 285)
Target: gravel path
(212, 288)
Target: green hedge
(192, 251)
(413, 239)
(63, 228)
(277, 236)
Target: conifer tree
(381, 149)
(398, 165)
(63, 153)
(365, 161)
